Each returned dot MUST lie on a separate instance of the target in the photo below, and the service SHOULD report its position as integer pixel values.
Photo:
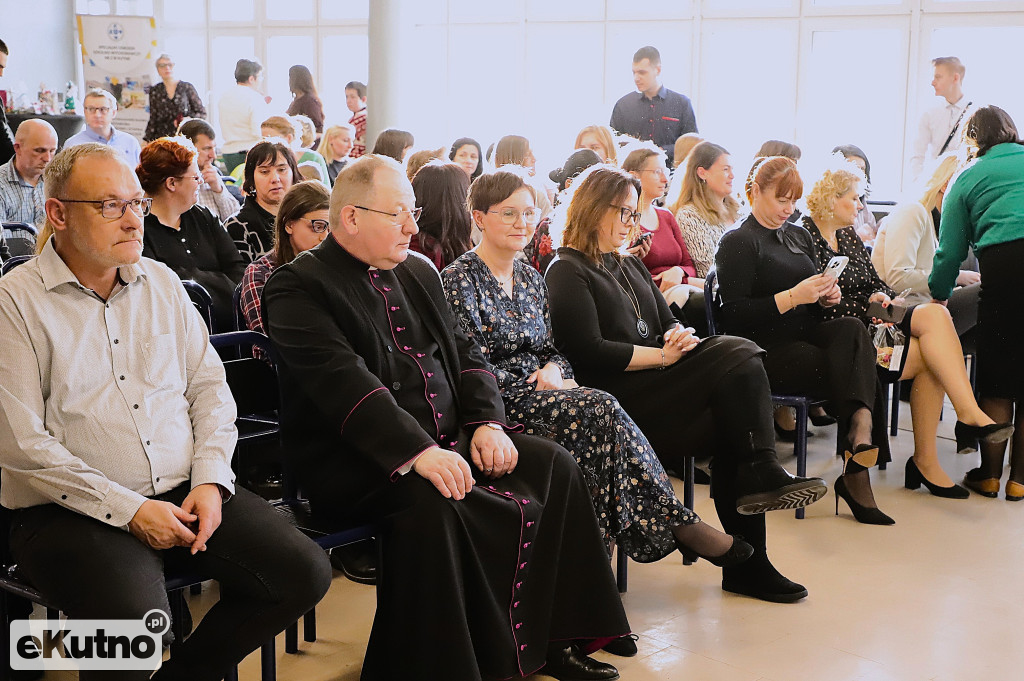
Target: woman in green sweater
(985, 209)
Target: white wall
(43, 42)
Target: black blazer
(343, 427)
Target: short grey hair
(105, 94)
(58, 173)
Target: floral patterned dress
(633, 497)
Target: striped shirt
(104, 403)
(19, 200)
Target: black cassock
(375, 369)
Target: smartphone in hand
(890, 313)
(645, 236)
(836, 266)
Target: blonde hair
(693, 191)
(421, 158)
(936, 184)
(605, 136)
(833, 183)
(282, 125)
(683, 146)
(325, 142)
(951, 63)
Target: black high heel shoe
(967, 437)
(739, 552)
(786, 435)
(915, 478)
(861, 458)
(821, 420)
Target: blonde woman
(335, 146)
(905, 247)
(601, 139)
(933, 356)
(290, 129)
(705, 206)
(684, 145)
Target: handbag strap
(953, 131)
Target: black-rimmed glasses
(112, 209)
(626, 215)
(317, 226)
(399, 215)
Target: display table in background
(66, 126)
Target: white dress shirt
(241, 111)
(106, 403)
(933, 129)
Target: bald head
(35, 143)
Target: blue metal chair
(13, 262)
(202, 299)
(236, 309)
(21, 237)
(801, 403)
(254, 385)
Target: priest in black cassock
(493, 564)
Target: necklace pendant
(642, 328)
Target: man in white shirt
(941, 127)
(117, 429)
(241, 110)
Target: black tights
(992, 455)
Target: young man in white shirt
(941, 126)
(241, 110)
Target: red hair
(163, 158)
(778, 173)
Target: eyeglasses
(317, 226)
(197, 178)
(112, 209)
(626, 215)
(164, 65)
(97, 109)
(510, 216)
(400, 215)
(658, 171)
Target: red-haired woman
(770, 290)
(182, 234)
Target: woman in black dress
(182, 234)
(932, 355)
(772, 293)
(501, 303)
(612, 323)
(170, 101)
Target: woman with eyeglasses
(445, 227)
(170, 102)
(668, 259)
(301, 224)
(612, 324)
(502, 304)
(182, 234)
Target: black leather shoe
(357, 561)
(624, 646)
(766, 486)
(738, 552)
(759, 579)
(569, 664)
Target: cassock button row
(522, 647)
(514, 605)
(399, 328)
(421, 354)
(394, 308)
(430, 374)
(387, 288)
(432, 395)
(526, 545)
(439, 414)
(406, 347)
(529, 524)
(519, 625)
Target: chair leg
(800, 446)
(52, 614)
(309, 626)
(894, 420)
(232, 675)
(5, 654)
(178, 606)
(688, 494)
(268, 661)
(291, 638)
(621, 568)
(196, 589)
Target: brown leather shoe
(986, 487)
(1014, 491)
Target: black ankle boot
(764, 485)
(758, 578)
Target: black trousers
(269, 573)
(835, 362)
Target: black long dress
(200, 250)
(375, 371)
(633, 497)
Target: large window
(817, 72)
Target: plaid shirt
(256, 275)
(358, 121)
(20, 201)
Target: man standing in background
(355, 100)
(940, 127)
(6, 136)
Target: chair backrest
(253, 382)
(202, 299)
(13, 262)
(236, 308)
(712, 302)
(20, 237)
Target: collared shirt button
(121, 377)
(158, 479)
(135, 406)
(116, 341)
(63, 496)
(147, 442)
(396, 386)
(108, 516)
